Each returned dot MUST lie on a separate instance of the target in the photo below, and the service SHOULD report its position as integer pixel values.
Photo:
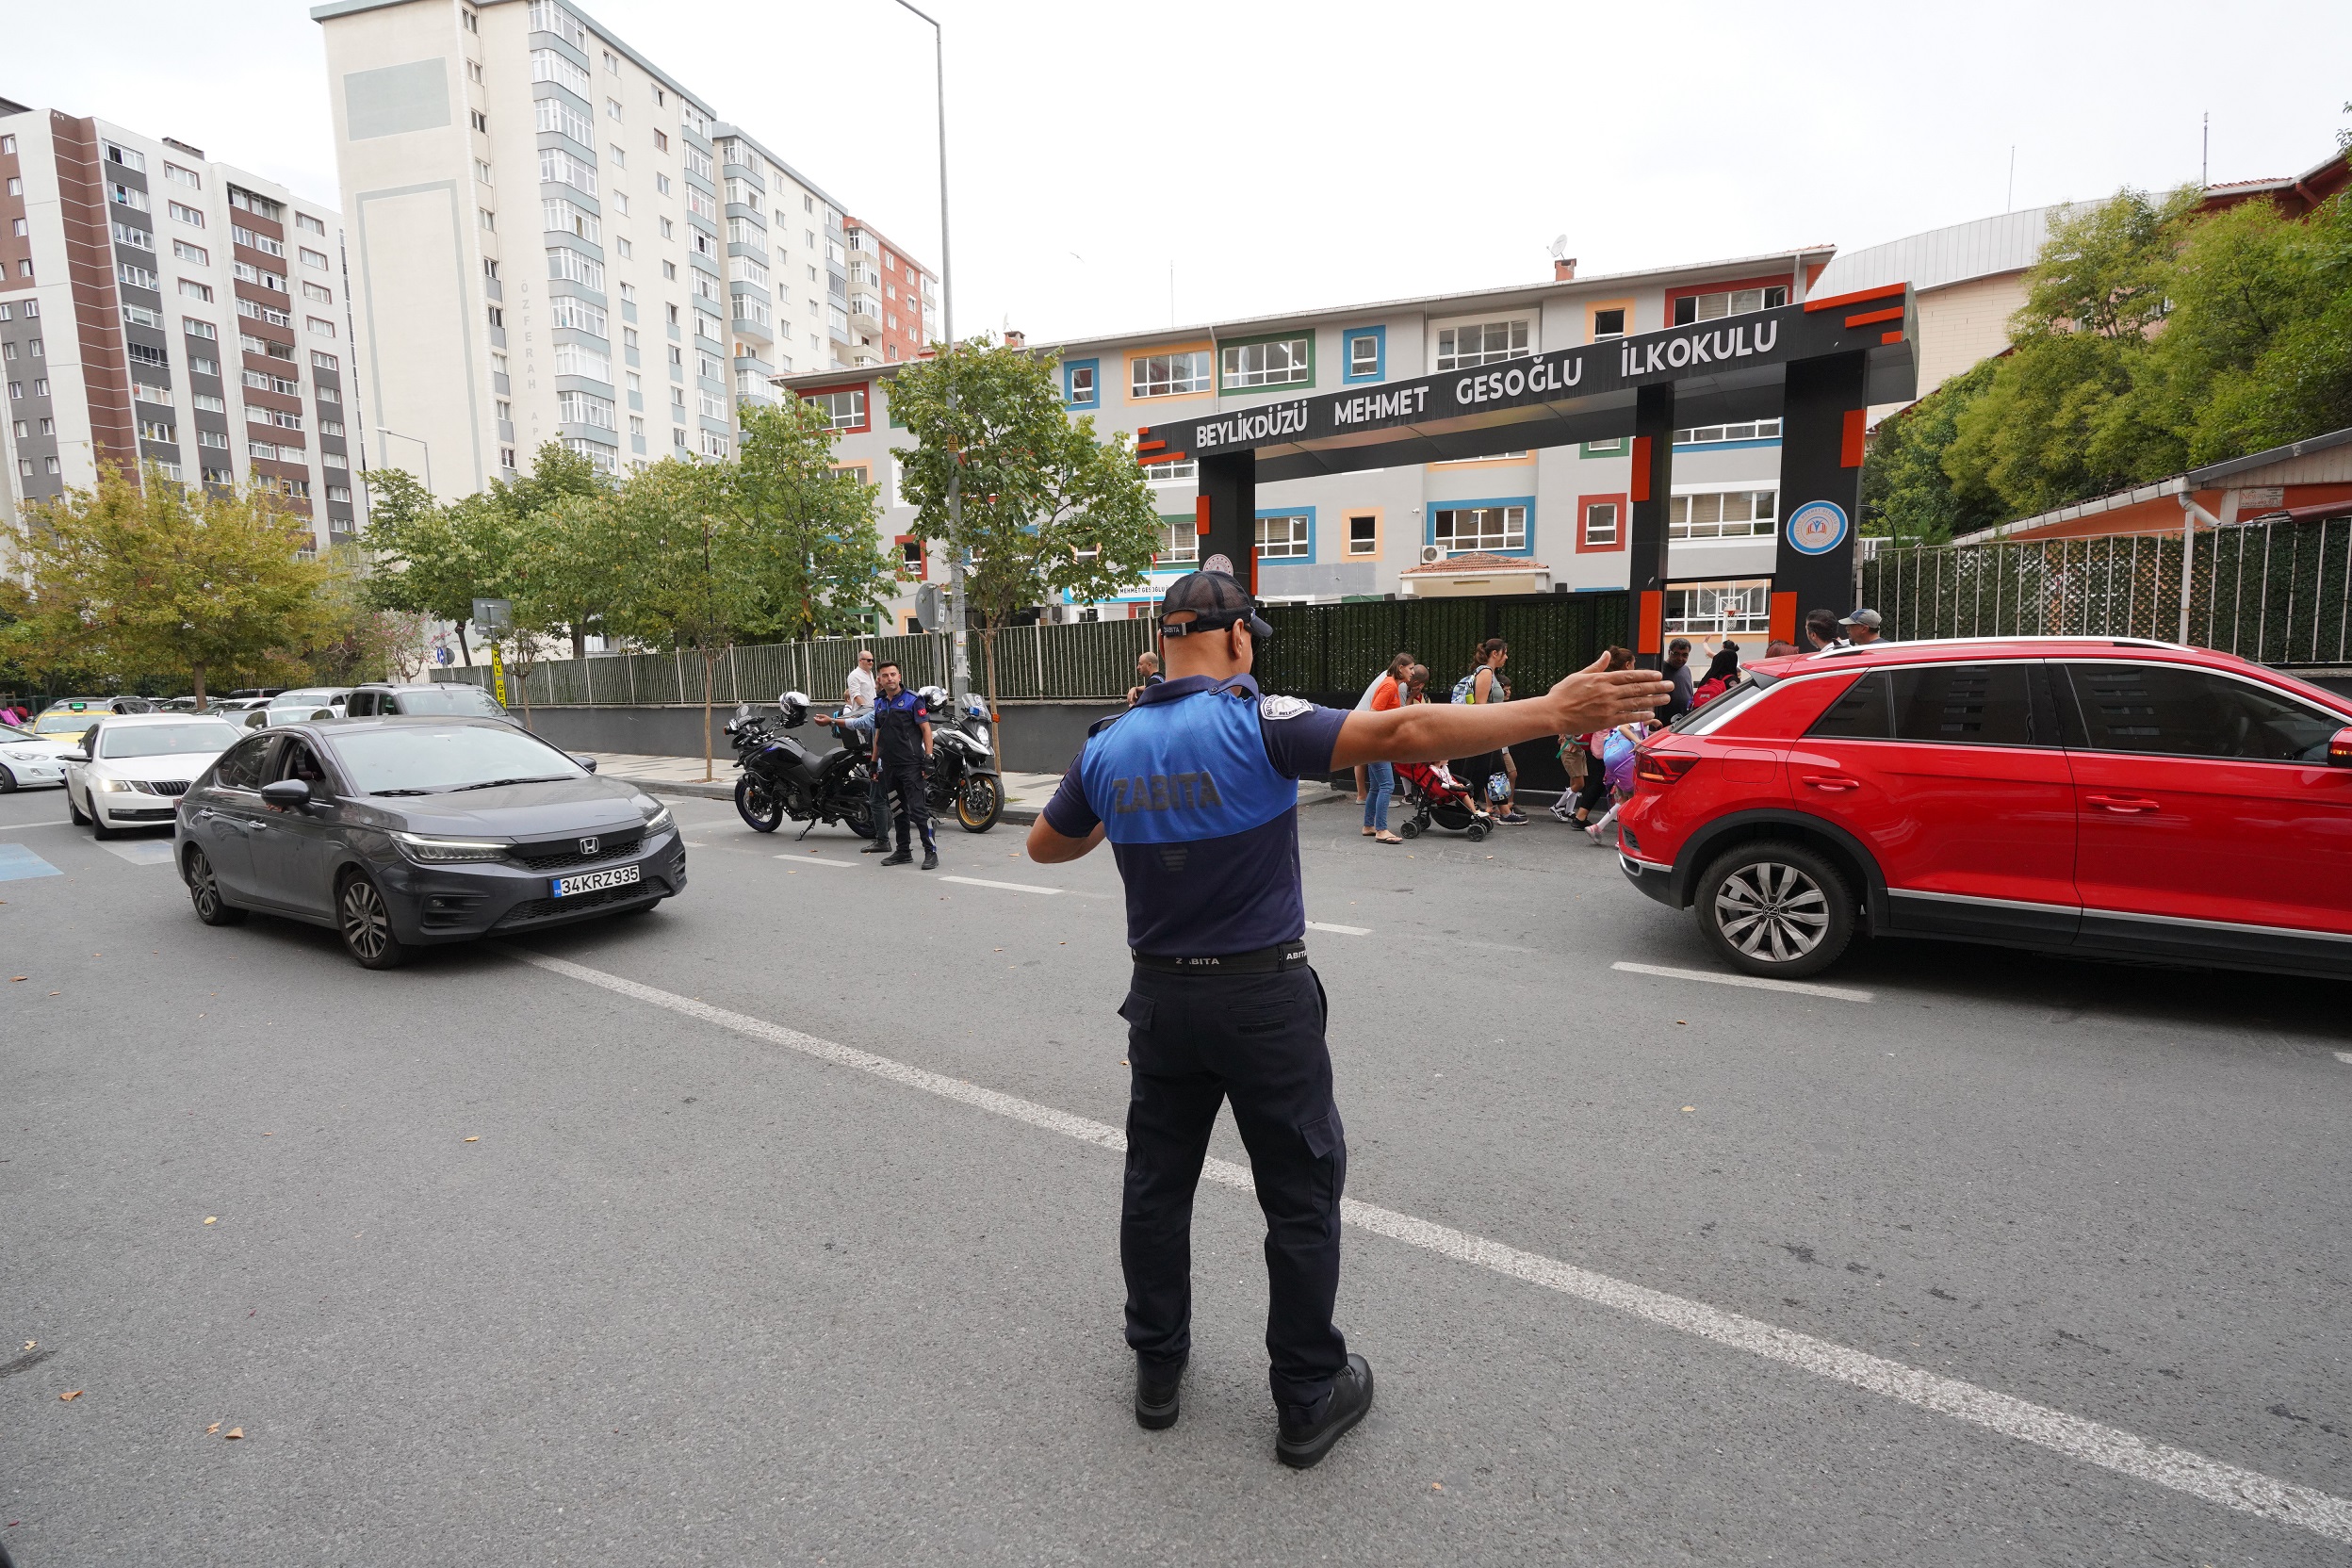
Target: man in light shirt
(856, 719)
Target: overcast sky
(1282, 154)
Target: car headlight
(124, 786)
(443, 851)
(22, 754)
(661, 822)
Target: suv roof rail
(2021, 637)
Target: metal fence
(2277, 593)
(1325, 651)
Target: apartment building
(893, 300)
(160, 307)
(1552, 520)
(554, 238)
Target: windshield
(1751, 685)
(197, 738)
(64, 720)
(454, 698)
(424, 762)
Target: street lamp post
(959, 669)
(420, 441)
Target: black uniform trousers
(904, 780)
(1195, 1040)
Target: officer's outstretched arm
(1595, 697)
(1048, 848)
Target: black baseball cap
(1214, 600)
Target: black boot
(930, 857)
(1302, 1445)
(879, 846)
(898, 857)
(1155, 1395)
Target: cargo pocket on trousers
(1328, 1142)
(1137, 1010)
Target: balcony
(865, 312)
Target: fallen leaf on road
(20, 977)
(473, 1140)
(214, 1428)
(212, 1219)
(71, 1393)
(232, 1433)
(1690, 1107)
(30, 1343)
(1440, 1486)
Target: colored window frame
(1619, 524)
(913, 553)
(1227, 381)
(1175, 526)
(855, 422)
(1616, 445)
(1378, 337)
(1268, 513)
(1206, 372)
(1526, 545)
(1592, 310)
(1350, 517)
(1091, 372)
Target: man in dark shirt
(1196, 788)
(1677, 670)
(902, 745)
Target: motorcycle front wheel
(757, 807)
(980, 802)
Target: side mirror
(2340, 750)
(588, 762)
(285, 793)
(256, 719)
(78, 754)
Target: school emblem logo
(1284, 708)
(1817, 527)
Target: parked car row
(2112, 797)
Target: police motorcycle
(781, 778)
(963, 778)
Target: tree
(686, 583)
(559, 558)
(1046, 509)
(1905, 491)
(2065, 415)
(440, 559)
(149, 576)
(808, 527)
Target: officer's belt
(1266, 961)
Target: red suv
(2101, 797)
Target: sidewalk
(1025, 794)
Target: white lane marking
(1008, 886)
(2344, 1056)
(146, 852)
(816, 860)
(11, 827)
(2094, 1442)
(1805, 988)
(1343, 930)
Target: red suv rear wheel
(1775, 909)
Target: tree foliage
(1046, 509)
(147, 576)
(808, 535)
(688, 582)
(2153, 338)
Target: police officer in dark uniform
(1196, 788)
(902, 745)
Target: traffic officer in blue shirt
(902, 745)
(1196, 788)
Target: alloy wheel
(204, 888)
(1771, 911)
(367, 923)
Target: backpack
(1462, 687)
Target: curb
(1018, 815)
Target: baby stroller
(1440, 800)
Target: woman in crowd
(1595, 777)
(1384, 694)
(1720, 676)
(1485, 683)
(1392, 676)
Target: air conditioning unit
(1432, 554)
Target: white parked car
(308, 703)
(30, 761)
(133, 767)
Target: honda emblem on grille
(588, 847)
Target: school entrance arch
(1817, 365)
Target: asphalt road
(497, 1262)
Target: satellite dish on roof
(1558, 246)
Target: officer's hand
(1597, 697)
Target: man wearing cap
(1862, 628)
(1196, 788)
(901, 746)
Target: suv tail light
(1664, 767)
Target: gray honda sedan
(402, 832)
